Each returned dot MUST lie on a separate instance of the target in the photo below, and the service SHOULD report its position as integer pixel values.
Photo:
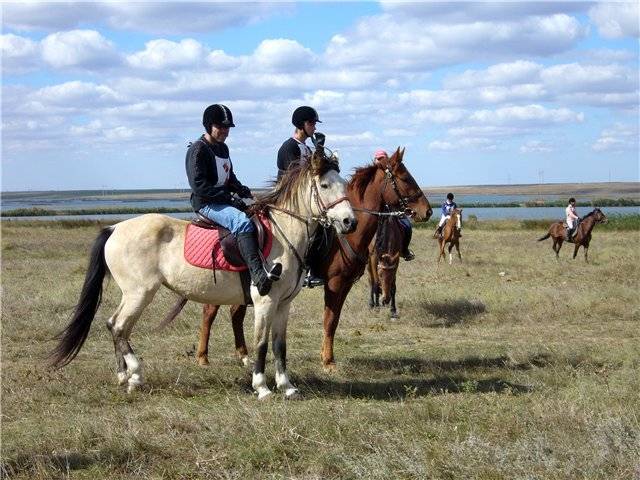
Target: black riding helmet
(449, 196)
(304, 114)
(217, 115)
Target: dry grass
(533, 374)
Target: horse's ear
(400, 154)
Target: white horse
(146, 252)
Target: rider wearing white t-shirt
(572, 218)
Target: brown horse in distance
(582, 236)
(451, 235)
(382, 186)
(384, 258)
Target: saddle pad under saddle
(202, 247)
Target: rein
(321, 219)
(403, 202)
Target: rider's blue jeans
(229, 217)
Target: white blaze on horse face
(335, 188)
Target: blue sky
(107, 95)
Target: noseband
(402, 201)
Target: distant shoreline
(612, 190)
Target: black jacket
(291, 151)
(202, 172)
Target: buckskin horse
(383, 187)
(582, 235)
(384, 258)
(146, 252)
(451, 235)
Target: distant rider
(407, 254)
(447, 207)
(572, 218)
(212, 181)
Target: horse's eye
(324, 185)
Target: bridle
(322, 219)
(400, 210)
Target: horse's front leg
(441, 251)
(238, 313)
(575, 250)
(335, 292)
(394, 311)
(450, 256)
(209, 313)
(279, 343)
(264, 312)
(458, 250)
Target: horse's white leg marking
(131, 308)
(264, 309)
(279, 339)
(450, 258)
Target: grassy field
(508, 365)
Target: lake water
(179, 200)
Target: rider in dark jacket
(295, 150)
(210, 173)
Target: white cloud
(617, 139)
(459, 144)
(535, 146)
(164, 54)
(76, 95)
(19, 54)
(574, 77)
(84, 49)
(152, 17)
(283, 55)
(526, 115)
(418, 44)
(518, 72)
(617, 19)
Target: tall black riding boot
(261, 278)
(407, 254)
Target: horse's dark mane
(285, 189)
(361, 177)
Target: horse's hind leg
(238, 313)
(575, 250)
(121, 324)
(209, 313)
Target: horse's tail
(75, 333)
(545, 237)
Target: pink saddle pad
(202, 247)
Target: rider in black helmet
(212, 181)
(293, 150)
(447, 207)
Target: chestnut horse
(384, 186)
(384, 258)
(582, 236)
(451, 235)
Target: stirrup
(274, 272)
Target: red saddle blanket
(202, 247)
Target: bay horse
(384, 186)
(384, 258)
(582, 235)
(451, 235)
(146, 252)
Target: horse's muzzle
(348, 225)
